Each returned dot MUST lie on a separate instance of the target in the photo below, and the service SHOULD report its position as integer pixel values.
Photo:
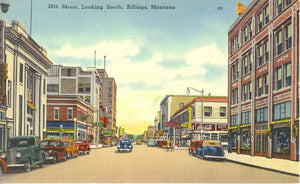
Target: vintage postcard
(149, 91)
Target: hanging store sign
(172, 124)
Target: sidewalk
(93, 146)
(275, 164)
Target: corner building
(263, 80)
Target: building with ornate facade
(263, 80)
(23, 94)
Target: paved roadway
(144, 165)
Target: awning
(31, 106)
(187, 136)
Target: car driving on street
(124, 145)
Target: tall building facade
(69, 81)
(23, 93)
(109, 100)
(263, 80)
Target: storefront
(2, 129)
(60, 130)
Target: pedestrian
(229, 147)
(168, 145)
(172, 146)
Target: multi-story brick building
(207, 118)
(24, 66)
(69, 117)
(71, 81)
(109, 100)
(263, 79)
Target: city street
(143, 165)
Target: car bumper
(214, 157)
(15, 165)
(124, 149)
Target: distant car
(3, 167)
(211, 149)
(124, 145)
(72, 149)
(56, 150)
(139, 142)
(83, 146)
(194, 146)
(151, 143)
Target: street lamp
(75, 129)
(4, 5)
(202, 91)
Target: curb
(266, 168)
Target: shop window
(214, 136)
(207, 111)
(282, 111)
(245, 140)
(234, 139)
(281, 140)
(2, 138)
(206, 137)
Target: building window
(246, 117)
(246, 92)
(263, 53)
(222, 111)
(261, 115)
(52, 87)
(68, 72)
(266, 83)
(278, 6)
(193, 112)
(56, 113)
(235, 71)
(44, 116)
(80, 87)
(262, 86)
(8, 93)
(283, 76)
(235, 44)
(278, 42)
(263, 18)
(281, 140)
(247, 63)
(70, 113)
(21, 73)
(266, 51)
(181, 105)
(87, 87)
(288, 36)
(282, 111)
(234, 120)
(44, 86)
(266, 14)
(87, 99)
(247, 32)
(207, 111)
(235, 96)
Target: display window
(245, 140)
(281, 140)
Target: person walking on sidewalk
(168, 145)
(172, 146)
(229, 146)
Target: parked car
(72, 149)
(3, 167)
(125, 145)
(139, 142)
(151, 143)
(56, 150)
(162, 144)
(83, 145)
(211, 149)
(194, 146)
(24, 151)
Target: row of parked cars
(26, 151)
(207, 149)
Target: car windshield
(124, 141)
(78, 142)
(19, 143)
(48, 143)
(67, 143)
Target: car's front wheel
(54, 159)
(27, 165)
(42, 161)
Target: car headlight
(130, 146)
(3, 155)
(18, 155)
(50, 151)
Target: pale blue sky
(150, 53)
